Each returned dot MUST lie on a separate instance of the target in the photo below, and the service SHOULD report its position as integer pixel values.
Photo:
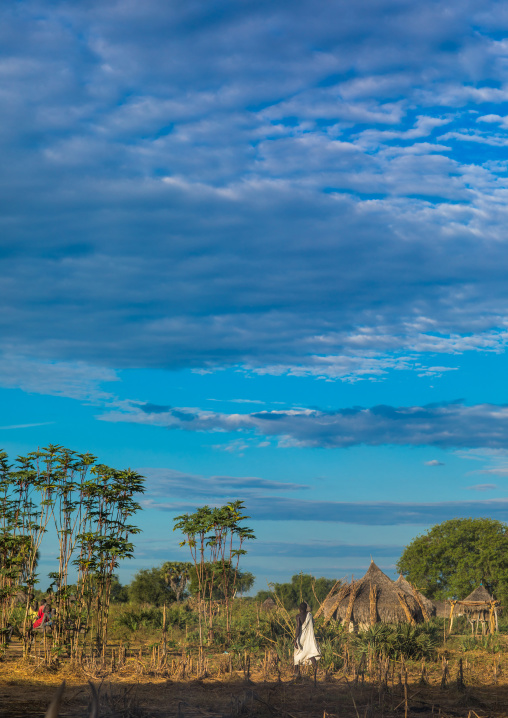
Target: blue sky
(258, 250)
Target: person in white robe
(306, 647)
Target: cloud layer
(168, 482)
(377, 513)
(446, 425)
(296, 186)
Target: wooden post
(451, 614)
(352, 596)
(330, 593)
(373, 604)
(405, 608)
(424, 611)
(337, 599)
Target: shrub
(176, 615)
(395, 642)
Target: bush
(489, 643)
(176, 615)
(396, 642)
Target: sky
(258, 251)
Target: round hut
(373, 599)
(427, 607)
(480, 609)
(268, 605)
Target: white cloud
(26, 426)
(482, 487)
(76, 380)
(243, 191)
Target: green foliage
(456, 556)
(176, 574)
(135, 619)
(119, 593)
(396, 642)
(490, 643)
(149, 586)
(89, 506)
(331, 659)
(243, 583)
(300, 589)
(215, 537)
(332, 639)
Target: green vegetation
(89, 507)
(303, 587)
(403, 641)
(197, 606)
(149, 585)
(175, 581)
(454, 557)
(215, 538)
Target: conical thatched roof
(479, 594)
(426, 605)
(374, 598)
(268, 605)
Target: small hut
(480, 609)
(268, 605)
(427, 607)
(373, 599)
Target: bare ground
(27, 690)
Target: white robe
(307, 646)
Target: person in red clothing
(40, 614)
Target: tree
(176, 574)
(89, 506)
(215, 537)
(149, 586)
(244, 582)
(303, 587)
(119, 593)
(452, 558)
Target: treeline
(173, 581)
(176, 581)
(302, 587)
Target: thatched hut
(427, 607)
(373, 599)
(480, 609)
(268, 605)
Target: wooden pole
(330, 593)
(373, 604)
(451, 614)
(424, 611)
(352, 596)
(337, 599)
(405, 608)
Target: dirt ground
(27, 691)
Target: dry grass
(188, 686)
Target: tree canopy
(149, 586)
(452, 558)
(174, 581)
(300, 589)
